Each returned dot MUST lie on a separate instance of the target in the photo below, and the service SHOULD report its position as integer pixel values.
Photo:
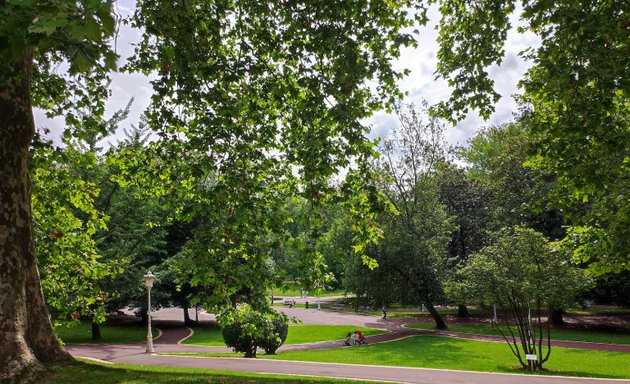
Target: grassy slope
(92, 373)
(298, 334)
(556, 334)
(82, 333)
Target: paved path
(172, 332)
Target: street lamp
(148, 281)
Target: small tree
(526, 277)
(244, 330)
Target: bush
(278, 335)
(244, 330)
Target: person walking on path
(384, 310)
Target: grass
(556, 334)
(460, 354)
(82, 333)
(449, 353)
(208, 336)
(298, 334)
(295, 292)
(93, 373)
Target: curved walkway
(173, 332)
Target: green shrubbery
(245, 330)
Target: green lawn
(460, 354)
(295, 292)
(298, 334)
(449, 353)
(82, 333)
(92, 373)
(556, 334)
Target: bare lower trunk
(96, 331)
(439, 321)
(187, 319)
(462, 310)
(557, 317)
(26, 334)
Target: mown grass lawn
(293, 290)
(298, 334)
(81, 333)
(556, 334)
(93, 373)
(459, 354)
(449, 353)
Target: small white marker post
(530, 360)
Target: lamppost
(148, 281)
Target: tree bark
(462, 310)
(96, 331)
(187, 320)
(557, 316)
(26, 334)
(439, 321)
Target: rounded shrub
(245, 330)
(278, 336)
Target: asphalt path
(170, 322)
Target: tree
(34, 38)
(415, 240)
(517, 194)
(307, 253)
(526, 277)
(263, 107)
(576, 97)
(467, 200)
(250, 91)
(66, 219)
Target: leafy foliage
(526, 277)
(278, 336)
(517, 194)
(413, 254)
(576, 102)
(66, 221)
(245, 329)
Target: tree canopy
(576, 96)
(262, 100)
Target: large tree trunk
(26, 335)
(439, 321)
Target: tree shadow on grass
(89, 373)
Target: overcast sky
(420, 84)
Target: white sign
(531, 357)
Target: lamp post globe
(149, 278)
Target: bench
(363, 309)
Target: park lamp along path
(149, 278)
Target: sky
(420, 84)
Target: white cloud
(421, 83)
